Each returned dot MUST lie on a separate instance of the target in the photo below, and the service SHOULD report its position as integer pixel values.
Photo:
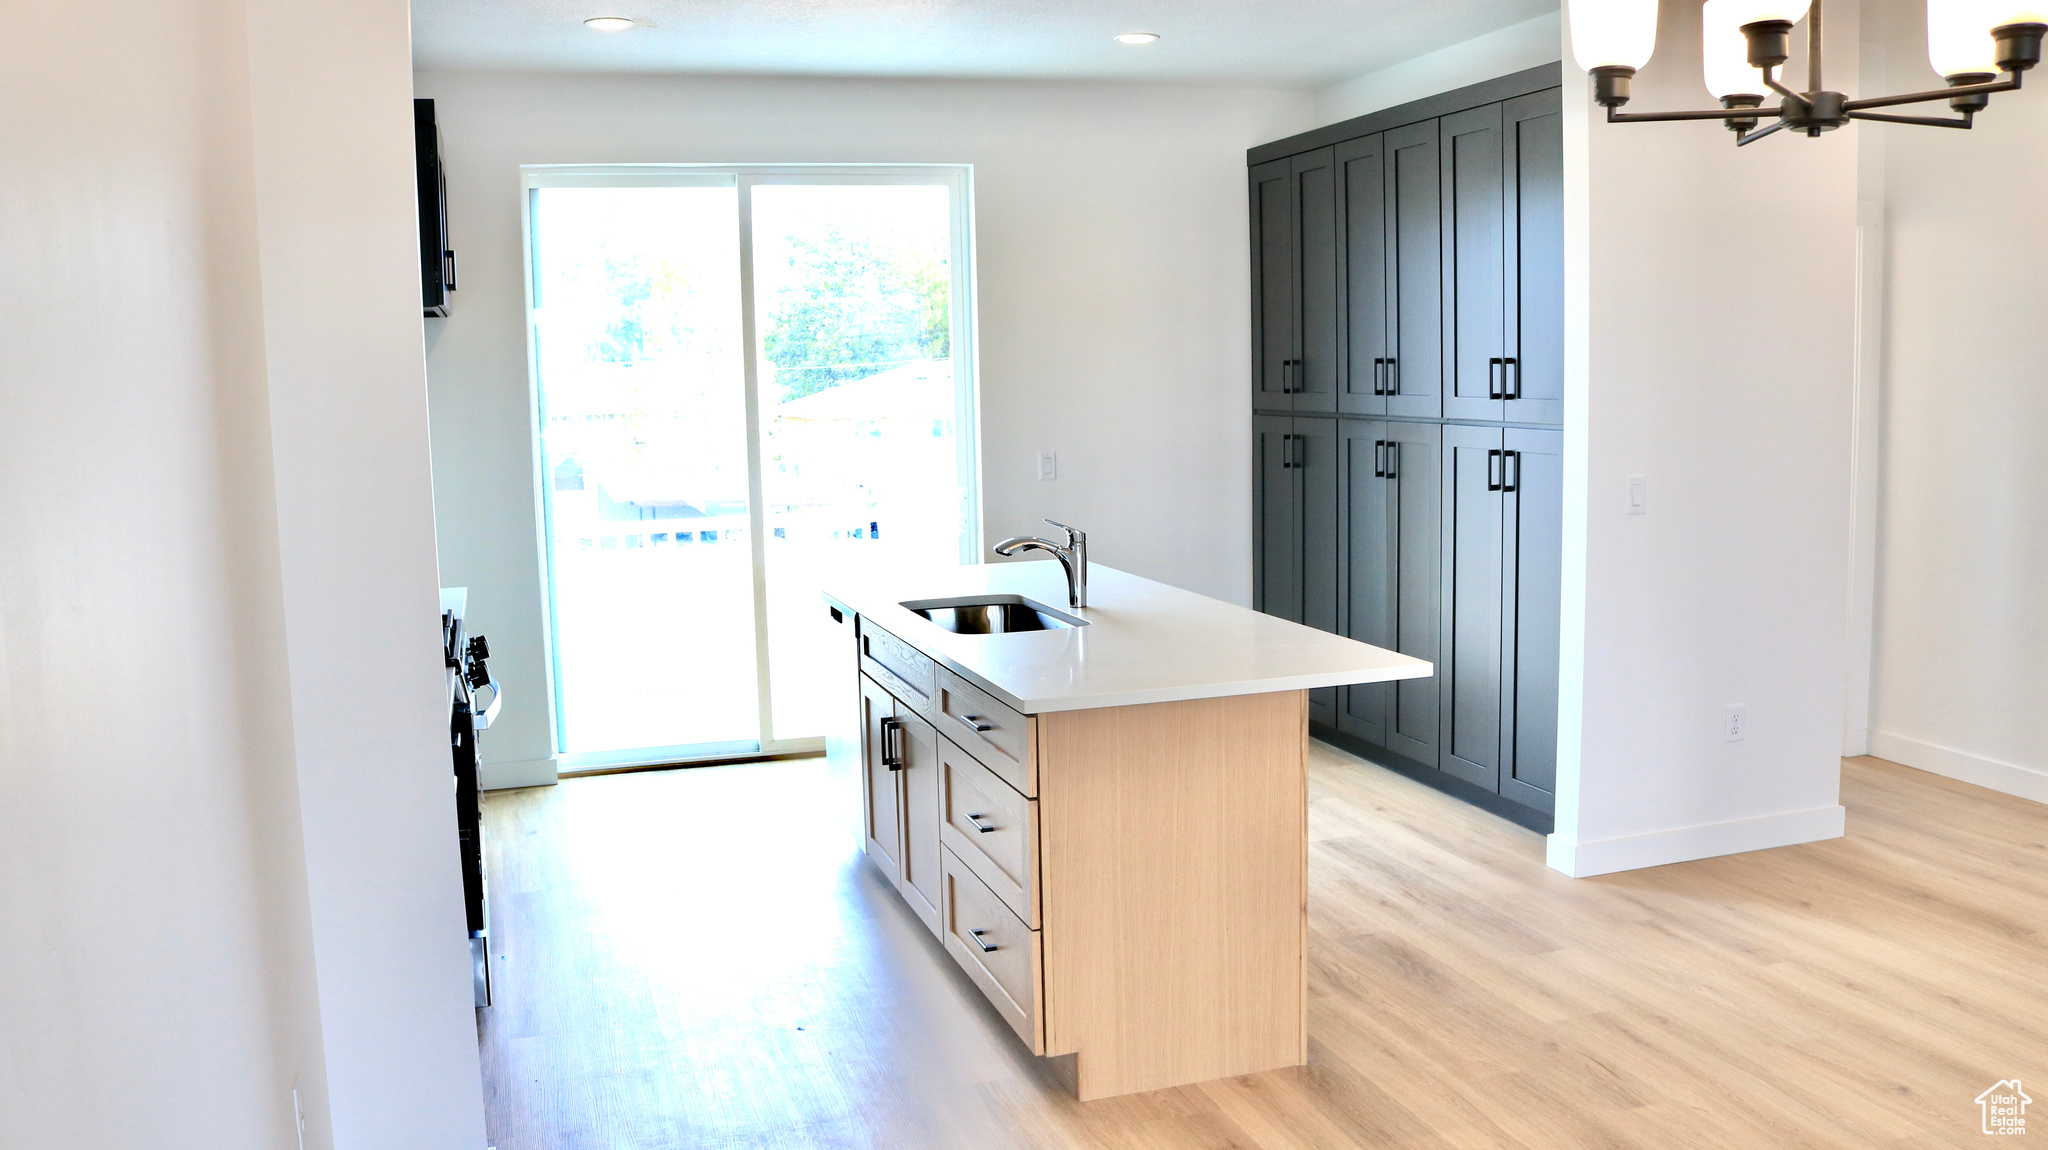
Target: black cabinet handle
(976, 820)
(1492, 480)
(1507, 457)
(1379, 469)
(985, 945)
(1393, 456)
(1290, 376)
(1496, 379)
(1507, 390)
(1393, 376)
(448, 254)
(1379, 376)
(892, 743)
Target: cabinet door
(1415, 262)
(922, 884)
(1315, 462)
(1414, 547)
(1533, 546)
(1315, 231)
(1469, 673)
(1476, 376)
(1362, 275)
(1274, 284)
(1534, 130)
(882, 799)
(1368, 616)
(1276, 575)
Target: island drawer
(1002, 955)
(898, 666)
(991, 828)
(990, 731)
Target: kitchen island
(1102, 816)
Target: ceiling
(1263, 43)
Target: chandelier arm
(1614, 117)
(1924, 121)
(1986, 88)
(1752, 137)
(1781, 89)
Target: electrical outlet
(1734, 724)
(1048, 465)
(1638, 494)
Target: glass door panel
(861, 460)
(640, 368)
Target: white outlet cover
(1048, 465)
(1735, 724)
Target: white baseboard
(2011, 778)
(522, 773)
(1684, 844)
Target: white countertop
(1146, 642)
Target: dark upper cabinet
(1533, 134)
(1469, 671)
(1414, 285)
(1275, 255)
(1476, 374)
(1391, 484)
(1294, 232)
(1532, 509)
(1363, 378)
(1316, 368)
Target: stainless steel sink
(993, 615)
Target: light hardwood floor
(699, 959)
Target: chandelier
(1977, 46)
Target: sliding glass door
(746, 379)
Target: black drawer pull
(984, 944)
(976, 820)
(1493, 458)
(978, 722)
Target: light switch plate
(1638, 494)
(1048, 465)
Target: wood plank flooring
(699, 959)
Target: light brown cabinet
(1124, 884)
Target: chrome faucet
(1073, 556)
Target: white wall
(1497, 53)
(1710, 336)
(1960, 659)
(226, 870)
(1113, 287)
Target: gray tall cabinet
(1408, 337)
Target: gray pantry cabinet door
(1316, 367)
(1415, 275)
(1533, 547)
(1276, 574)
(1475, 265)
(1316, 452)
(1533, 127)
(1469, 673)
(1414, 461)
(1362, 275)
(1275, 323)
(1367, 568)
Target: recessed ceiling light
(1137, 39)
(608, 23)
